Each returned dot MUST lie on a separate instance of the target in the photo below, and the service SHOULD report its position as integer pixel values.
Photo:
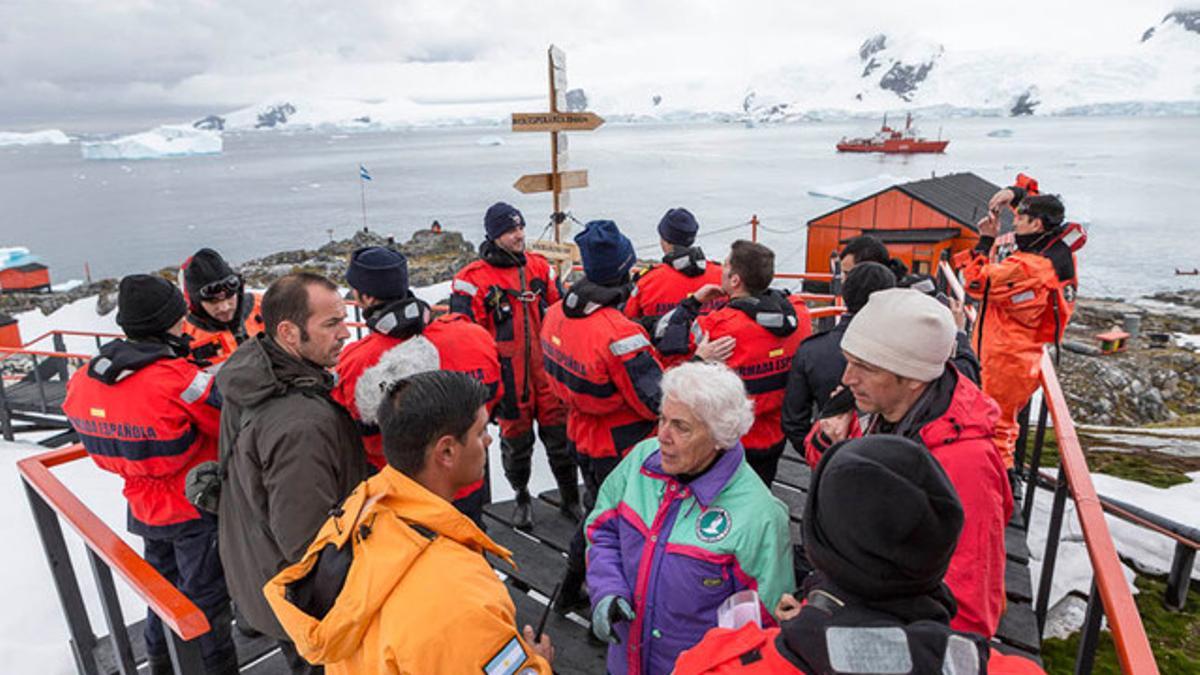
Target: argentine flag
(363, 173)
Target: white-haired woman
(681, 524)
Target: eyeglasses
(221, 289)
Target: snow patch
(161, 142)
(1147, 551)
(44, 137)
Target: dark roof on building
(929, 235)
(6, 320)
(962, 197)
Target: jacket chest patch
(713, 525)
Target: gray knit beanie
(904, 332)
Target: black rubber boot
(571, 506)
(160, 665)
(573, 597)
(523, 511)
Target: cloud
(224, 53)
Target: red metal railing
(1129, 635)
(175, 610)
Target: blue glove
(611, 610)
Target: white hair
(715, 395)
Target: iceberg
(164, 141)
(15, 256)
(44, 137)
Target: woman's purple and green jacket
(676, 551)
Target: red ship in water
(891, 141)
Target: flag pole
(363, 187)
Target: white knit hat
(902, 331)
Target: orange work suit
(1026, 301)
(416, 593)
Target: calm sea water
(1135, 182)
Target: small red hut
(917, 221)
(32, 276)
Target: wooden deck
(541, 561)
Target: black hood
(120, 359)
(805, 639)
(491, 253)
(771, 310)
(400, 319)
(202, 319)
(689, 261)
(586, 297)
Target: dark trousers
(193, 565)
(517, 454)
(296, 663)
(766, 462)
(594, 472)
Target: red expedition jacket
(602, 365)
(367, 366)
(768, 328)
(508, 296)
(659, 289)
(149, 417)
(961, 440)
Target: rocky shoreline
(1141, 386)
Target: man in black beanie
(221, 313)
(507, 291)
(818, 365)
(880, 525)
(682, 272)
(146, 413)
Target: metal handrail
(1129, 635)
(171, 605)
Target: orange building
(10, 332)
(27, 277)
(917, 221)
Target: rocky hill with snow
(1156, 72)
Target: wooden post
(556, 121)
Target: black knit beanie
(203, 268)
(148, 305)
(882, 518)
(862, 281)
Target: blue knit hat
(378, 272)
(607, 254)
(678, 227)
(501, 218)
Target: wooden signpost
(557, 121)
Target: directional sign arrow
(544, 182)
(556, 121)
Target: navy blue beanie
(378, 272)
(678, 227)
(501, 218)
(607, 254)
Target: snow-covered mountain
(1154, 75)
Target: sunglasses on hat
(221, 289)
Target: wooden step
(575, 654)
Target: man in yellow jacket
(395, 581)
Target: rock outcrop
(1144, 384)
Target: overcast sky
(72, 57)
